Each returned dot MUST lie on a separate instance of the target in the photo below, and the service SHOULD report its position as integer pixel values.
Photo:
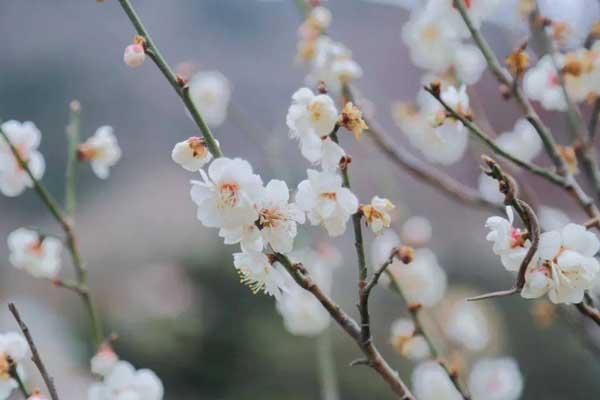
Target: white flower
(332, 64)
(431, 382)
(134, 55)
(403, 338)
(38, 256)
(321, 16)
(257, 272)
(210, 91)
(468, 326)
(124, 382)
(26, 138)
(422, 281)
(37, 395)
(346, 70)
(276, 224)
(101, 150)
(331, 155)
(468, 63)
(13, 346)
(488, 188)
(382, 247)
(416, 231)
(542, 83)
(496, 379)
(523, 142)
(552, 219)
(310, 118)
(226, 196)
(303, 314)
(510, 243)
(192, 154)
(377, 214)
(325, 201)
(104, 360)
(574, 19)
(566, 266)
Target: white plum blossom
(326, 201)
(104, 360)
(37, 255)
(410, 345)
(134, 55)
(226, 196)
(101, 150)
(496, 379)
(25, 137)
(13, 346)
(331, 155)
(431, 382)
(303, 314)
(276, 224)
(211, 92)
(377, 214)
(416, 231)
(565, 266)
(37, 395)
(523, 142)
(311, 118)
(571, 20)
(192, 154)
(422, 280)
(467, 325)
(382, 247)
(332, 64)
(124, 382)
(257, 272)
(510, 243)
(542, 83)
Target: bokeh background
(165, 283)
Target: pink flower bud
(134, 55)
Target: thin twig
(589, 311)
(13, 371)
(35, 355)
(73, 138)
(67, 226)
(177, 83)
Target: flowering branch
(176, 82)
(421, 170)
(67, 226)
(35, 355)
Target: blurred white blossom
(101, 150)
(123, 381)
(12, 347)
(496, 379)
(37, 255)
(467, 325)
(210, 92)
(410, 345)
(431, 382)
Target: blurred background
(165, 283)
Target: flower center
(316, 110)
(517, 238)
(229, 194)
(4, 366)
(270, 217)
(431, 33)
(36, 248)
(553, 80)
(88, 152)
(329, 195)
(199, 150)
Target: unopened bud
(406, 254)
(134, 55)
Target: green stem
(22, 388)
(177, 84)
(73, 139)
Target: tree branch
(35, 355)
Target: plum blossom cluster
(563, 267)
(13, 351)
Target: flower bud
(134, 55)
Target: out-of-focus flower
(101, 150)
(302, 313)
(416, 231)
(37, 395)
(311, 118)
(467, 325)
(276, 224)
(134, 55)
(542, 83)
(522, 142)
(571, 21)
(565, 267)
(25, 137)
(422, 281)
(326, 201)
(104, 360)
(210, 92)
(256, 271)
(377, 213)
(510, 243)
(192, 154)
(552, 219)
(496, 379)
(331, 63)
(13, 349)
(431, 382)
(226, 196)
(125, 382)
(404, 340)
(488, 188)
(382, 247)
(39, 256)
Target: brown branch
(35, 355)
(589, 311)
(349, 325)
